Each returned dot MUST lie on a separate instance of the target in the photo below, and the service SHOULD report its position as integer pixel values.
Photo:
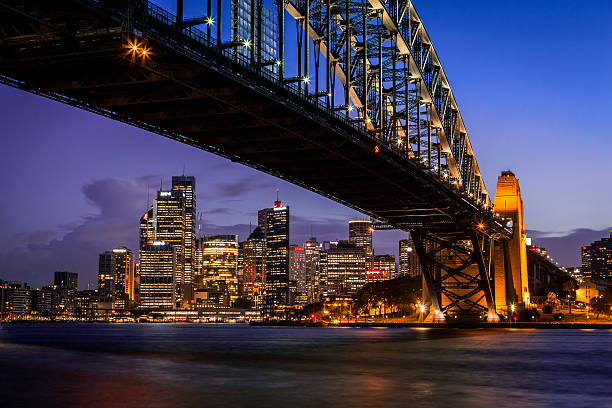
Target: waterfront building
(343, 269)
(312, 255)
(297, 275)
(597, 260)
(275, 224)
(116, 276)
(253, 267)
(65, 280)
(186, 185)
(15, 300)
(383, 268)
(360, 234)
(157, 276)
(409, 264)
(220, 265)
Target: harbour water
(189, 365)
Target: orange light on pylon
(376, 149)
(481, 226)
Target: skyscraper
(169, 223)
(186, 185)
(343, 269)
(116, 275)
(220, 264)
(275, 222)
(157, 276)
(66, 280)
(408, 259)
(297, 274)
(312, 254)
(360, 234)
(253, 268)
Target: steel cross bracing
(379, 74)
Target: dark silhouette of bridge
(373, 124)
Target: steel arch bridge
(373, 124)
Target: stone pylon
(511, 283)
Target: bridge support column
(511, 281)
(457, 270)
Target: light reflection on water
(73, 365)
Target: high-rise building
(597, 260)
(275, 223)
(116, 276)
(343, 269)
(66, 280)
(253, 267)
(169, 223)
(15, 299)
(220, 264)
(186, 185)
(409, 264)
(360, 234)
(312, 255)
(297, 274)
(383, 267)
(147, 228)
(157, 276)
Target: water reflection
(192, 366)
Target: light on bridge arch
(376, 149)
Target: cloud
(118, 204)
(565, 247)
(241, 186)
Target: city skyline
(75, 198)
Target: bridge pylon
(511, 283)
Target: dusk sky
(532, 80)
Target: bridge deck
(75, 52)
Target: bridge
(373, 124)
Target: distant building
(360, 234)
(66, 280)
(116, 276)
(275, 224)
(384, 265)
(220, 264)
(252, 267)
(597, 260)
(186, 185)
(343, 269)
(15, 300)
(297, 274)
(312, 255)
(409, 264)
(157, 276)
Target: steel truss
(458, 273)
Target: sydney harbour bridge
(346, 98)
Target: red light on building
(376, 149)
(374, 272)
(312, 315)
(584, 248)
(298, 249)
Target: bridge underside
(79, 54)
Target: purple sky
(532, 82)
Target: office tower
(297, 275)
(106, 273)
(15, 299)
(186, 185)
(253, 269)
(312, 254)
(409, 264)
(158, 276)
(343, 269)
(147, 228)
(275, 223)
(116, 276)
(597, 260)
(385, 265)
(360, 234)
(68, 281)
(169, 223)
(220, 263)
